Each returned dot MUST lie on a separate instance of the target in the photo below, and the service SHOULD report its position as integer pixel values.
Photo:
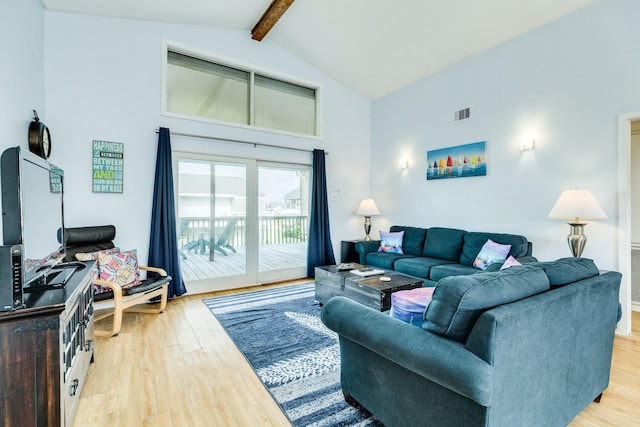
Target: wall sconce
(527, 142)
(404, 163)
(367, 209)
(577, 205)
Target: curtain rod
(255, 144)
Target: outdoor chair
(115, 287)
(222, 242)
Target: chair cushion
(459, 301)
(444, 243)
(144, 286)
(413, 240)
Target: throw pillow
(491, 253)
(458, 301)
(31, 266)
(391, 242)
(120, 267)
(93, 256)
(510, 262)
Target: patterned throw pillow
(491, 253)
(32, 265)
(95, 272)
(510, 262)
(391, 242)
(120, 267)
(93, 256)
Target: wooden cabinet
(45, 351)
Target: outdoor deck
(271, 257)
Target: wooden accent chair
(109, 294)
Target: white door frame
(624, 217)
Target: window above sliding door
(205, 88)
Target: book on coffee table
(366, 272)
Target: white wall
(103, 80)
(568, 81)
(22, 70)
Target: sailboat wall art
(460, 161)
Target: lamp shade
(367, 208)
(577, 204)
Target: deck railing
(272, 230)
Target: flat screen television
(32, 215)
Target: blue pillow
(391, 242)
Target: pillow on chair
(120, 267)
(93, 256)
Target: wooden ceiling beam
(274, 12)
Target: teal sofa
(438, 252)
(529, 345)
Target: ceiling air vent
(463, 114)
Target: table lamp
(577, 205)
(367, 208)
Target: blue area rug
(297, 358)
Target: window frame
(253, 70)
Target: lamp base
(367, 228)
(576, 238)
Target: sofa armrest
(438, 359)
(366, 246)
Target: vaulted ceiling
(371, 46)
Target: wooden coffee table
(369, 291)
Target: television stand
(45, 351)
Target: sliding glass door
(283, 221)
(240, 221)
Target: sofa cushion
(391, 242)
(459, 301)
(418, 267)
(413, 240)
(491, 253)
(439, 272)
(473, 242)
(384, 260)
(444, 243)
(568, 270)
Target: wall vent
(463, 114)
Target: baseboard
(635, 305)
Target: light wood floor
(180, 369)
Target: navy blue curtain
(163, 242)
(320, 249)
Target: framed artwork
(108, 166)
(460, 161)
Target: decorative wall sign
(457, 162)
(55, 178)
(108, 166)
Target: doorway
(240, 222)
(634, 195)
(625, 215)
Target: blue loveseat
(438, 252)
(529, 345)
